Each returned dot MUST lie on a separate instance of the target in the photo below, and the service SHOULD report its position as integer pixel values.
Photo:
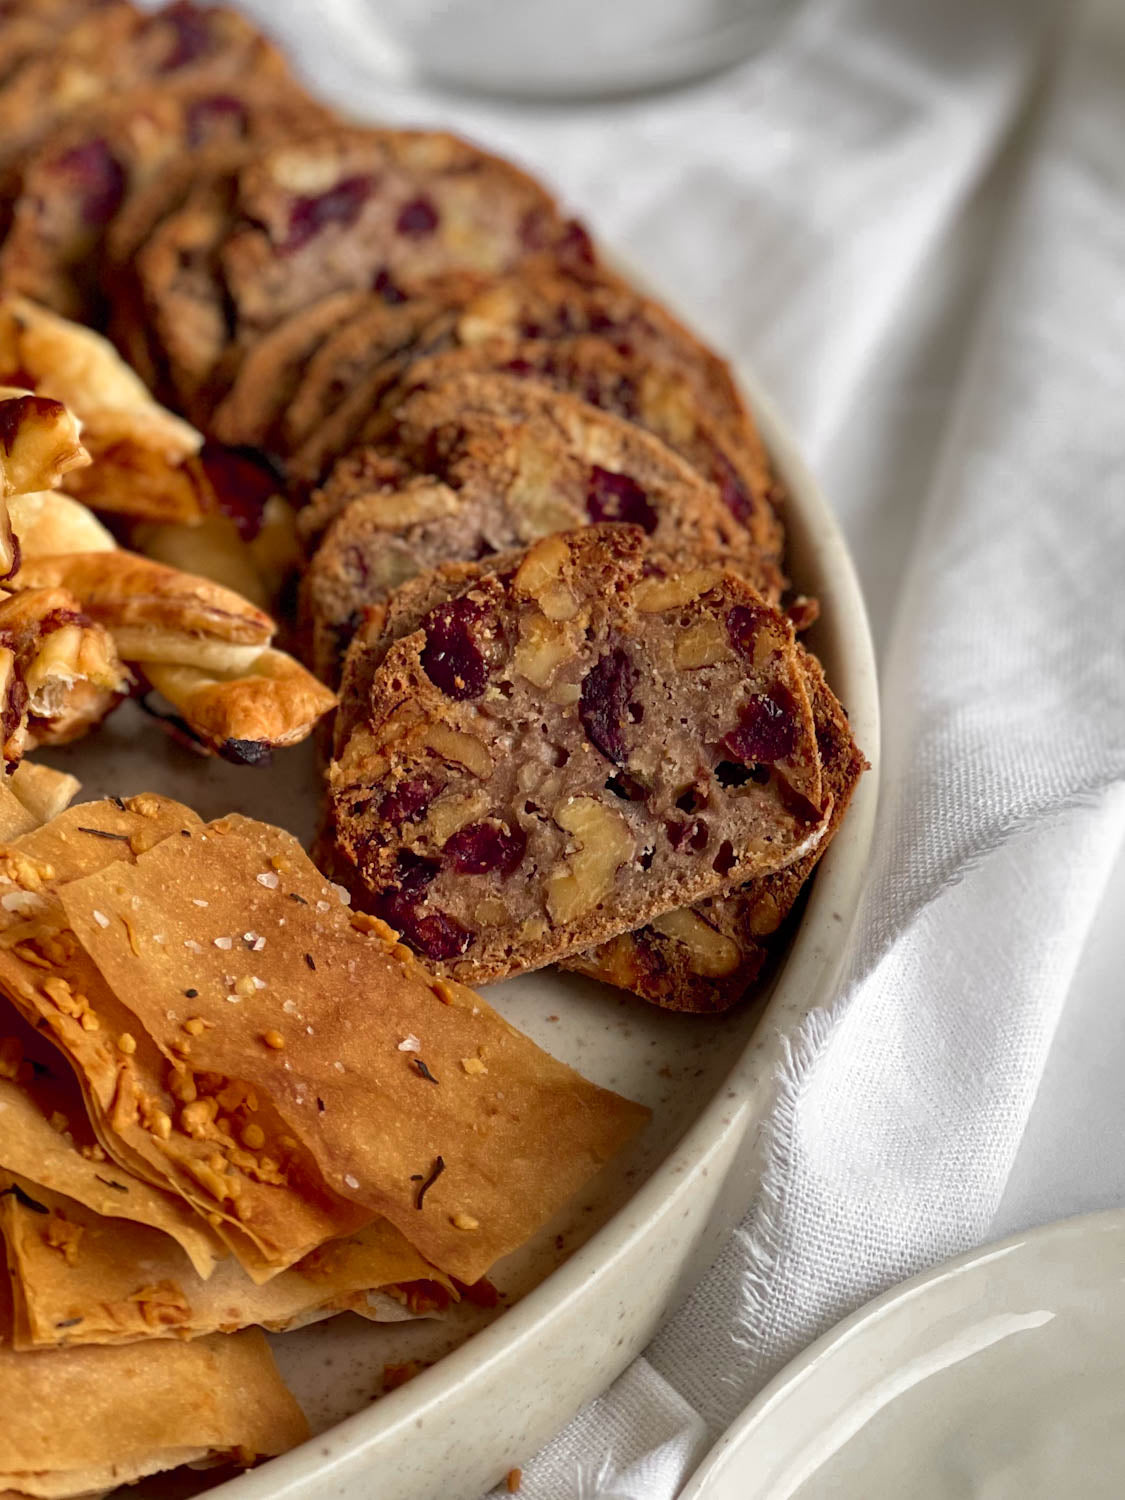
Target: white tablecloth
(910, 219)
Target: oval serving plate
(585, 1296)
(1000, 1374)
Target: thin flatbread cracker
(135, 1095)
(44, 791)
(91, 1419)
(47, 1140)
(80, 1278)
(415, 1098)
(15, 818)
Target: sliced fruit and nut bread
(344, 379)
(256, 408)
(570, 719)
(76, 181)
(341, 210)
(704, 958)
(585, 332)
(484, 463)
(118, 46)
(654, 395)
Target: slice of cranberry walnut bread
(547, 300)
(119, 46)
(342, 210)
(571, 720)
(582, 330)
(702, 959)
(652, 393)
(483, 463)
(72, 186)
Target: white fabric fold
(910, 219)
(647, 1435)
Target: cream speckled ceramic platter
(1000, 1375)
(587, 1294)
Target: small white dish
(538, 48)
(998, 1376)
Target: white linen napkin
(911, 220)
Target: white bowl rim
(1079, 1233)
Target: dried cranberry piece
(222, 116)
(452, 660)
(417, 218)
(385, 286)
(482, 847)
(98, 176)
(735, 496)
(604, 701)
(242, 480)
(795, 803)
(193, 38)
(743, 624)
(616, 497)
(396, 903)
(394, 909)
(802, 613)
(438, 937)
(767, 728)
(339, 205)
(407, 801)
